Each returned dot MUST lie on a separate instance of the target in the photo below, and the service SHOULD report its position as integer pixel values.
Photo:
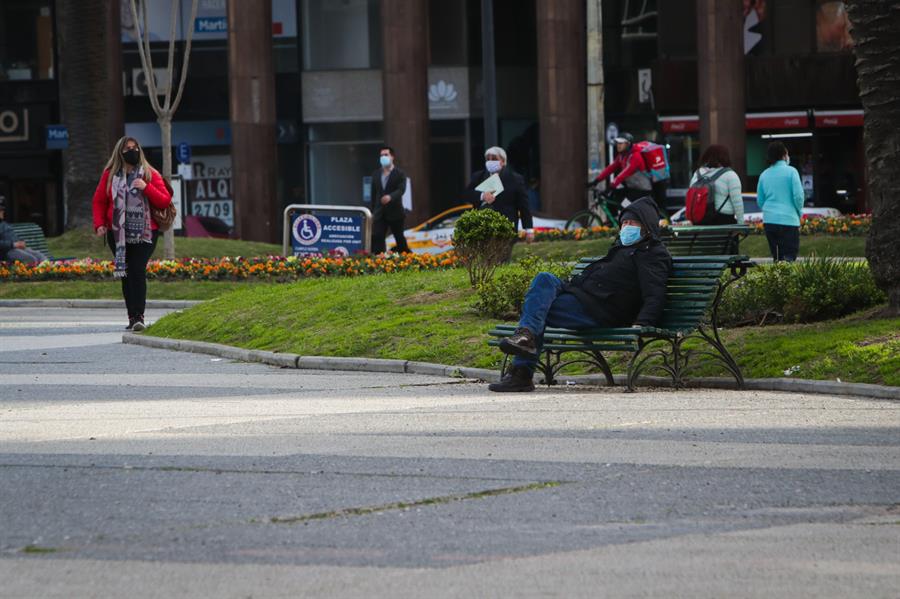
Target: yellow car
(435, 235)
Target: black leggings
(134, 284)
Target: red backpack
(699, 204)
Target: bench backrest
(711, 240)
(33, 236)
(691, 290)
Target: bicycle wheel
(583, 220)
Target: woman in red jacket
(128, 188)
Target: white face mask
(493, 166)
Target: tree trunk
(84, 105)
(165, 129)
(876, 25)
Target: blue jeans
(547, 305)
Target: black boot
(521, 343)
(517, 379)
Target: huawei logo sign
(442, 92)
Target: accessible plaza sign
(318, 229)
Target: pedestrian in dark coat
(388, 186)
(624, 288)
(12, 248)
(512, 202)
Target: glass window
(341, 34)
(447, 32)
(791, 27)
(26, 40)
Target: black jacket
(628, 285)
(8, 238)
(396, 185)
(512, 203)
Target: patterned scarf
(131, 217)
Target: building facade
(800, 88)
(328, 58)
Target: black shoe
(130, 323)
(138, 324)
(521, 343)
(518, 379)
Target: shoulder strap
(727, 195)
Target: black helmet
(624, 138)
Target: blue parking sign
(327, 234)
(183, 153)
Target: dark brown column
(720, 70)
(251, 90)
(562, 105)
(404, 78)
(115, 118)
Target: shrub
(483, 240)
(808, 291)
(502, 297)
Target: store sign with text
(209, 190)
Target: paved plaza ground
(129, 471)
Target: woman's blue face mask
(629, 234)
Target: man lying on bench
(626, 287)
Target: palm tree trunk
(876, 26)
(82, 28)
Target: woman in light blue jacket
(780, 195)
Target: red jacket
(155, 192)
(626, 165)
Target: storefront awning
(754, 121)
(838, 118)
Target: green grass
(82, 243)
(410, 316)
(174, 290)
(754, 246)
(428, 317)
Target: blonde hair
(116, 163)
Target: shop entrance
(840, 169)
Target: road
(129, 471)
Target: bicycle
(603, 210)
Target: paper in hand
(492, 184)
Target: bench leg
(549, 365)
(672, 362)
(722, 355)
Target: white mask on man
(493, 166)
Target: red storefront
(826, 146)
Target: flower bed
(573, 234)
(273, 268)
(852, 225)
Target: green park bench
(693, 293)
(711, 240)
(33, 236)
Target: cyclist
(629, 169)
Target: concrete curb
(311, 362)
(85, 303)
(482, 374)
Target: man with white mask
(512, 202)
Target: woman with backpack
(128, 189)
(715, 172)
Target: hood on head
(644, 210)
